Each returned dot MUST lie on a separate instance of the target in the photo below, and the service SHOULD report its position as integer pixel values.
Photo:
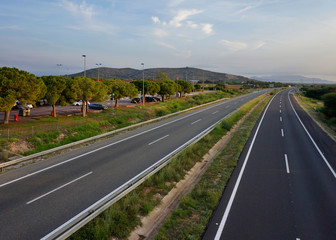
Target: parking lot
(43, 111)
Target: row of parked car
(147, 99)
(96, 106)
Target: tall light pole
(59, 69)
(143, 83)
(84, 56)
(98, 64)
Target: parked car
(79, 103)
(157, 99)
(147, 98)
(97, 106)
(18, 105)
(42, 102)
(135, 100)
(150, 99)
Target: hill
(188, 73)
(292, 79)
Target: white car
(26, 105)
(78, 103)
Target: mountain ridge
(186, 73)
(292, 79)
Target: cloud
(207, 28)
(176, 52)
(183, 15)
(85, 17)
(243, 10)
(191, 24)
(79, 10)
(233, 46)
(259, 44)
(174, 3)
(156, 20)
(167, 45)
(160, 33)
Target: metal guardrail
(75, 223)
(40, 155)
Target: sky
(244, 37)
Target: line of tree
(20, 85)
(325, 93)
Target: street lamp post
(98, 64)
(143, 83)
(84, 56)
(59, 69)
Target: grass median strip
(120, 219)
(189, 220)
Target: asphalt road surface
(284, 186)
(38, 198)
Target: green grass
(314, 108)
(114, 221)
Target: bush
(329, 101)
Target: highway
(38, 198)
(284, 186)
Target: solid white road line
(215, 112)
(158, 139)
(282, 132)
(196, 121)
(58, 188)
(234, 192)
(318, 149)
(287, 165)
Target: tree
(55, 86)
(167, 88)
(150, 87)
(86, 89)
(184, 87)
(329, 101)
(120, 89)
(19, 85)
(162, 77)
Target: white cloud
(160, 33)
(156, 20)
(191, 24)
(85, 17)
(207, 28)
(183, 15)
(259, 44)
(174, 3)
(167, 45)
(243, 10)
(79, 10)
(234, 46)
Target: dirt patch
(19, 147)
(151, 224)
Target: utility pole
(59, 69)
(84, 56)
(98, 64)
(143, 83)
